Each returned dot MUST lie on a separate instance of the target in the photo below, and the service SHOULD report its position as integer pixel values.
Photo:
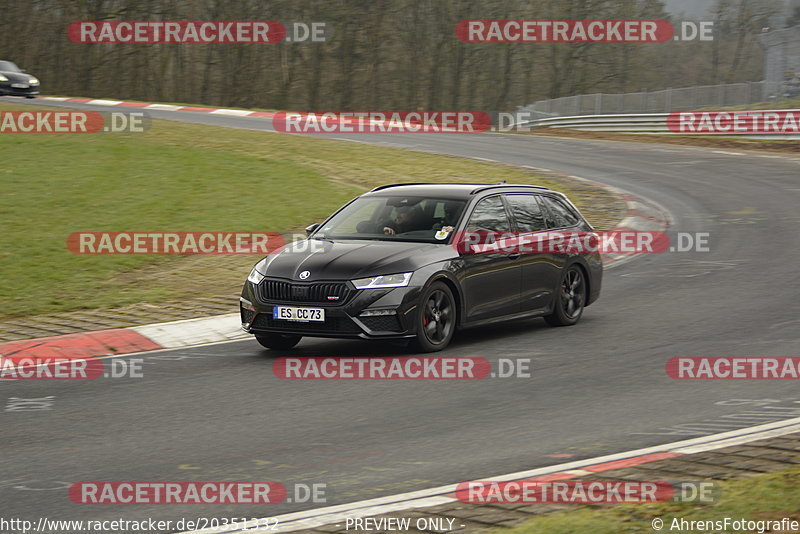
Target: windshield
(395, 218)
(7, 66)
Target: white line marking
(727, 152)
(100, 102)
(164, 107)
(434, 496)
(55, 98)
(236, 112)
(578, 472)
(188, 332)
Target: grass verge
(768, 497)
(186, 177)
(767, 145)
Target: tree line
(399, 54)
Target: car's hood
(16, 77)
(347, 260)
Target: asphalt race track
(217, 412)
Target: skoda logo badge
(304, 275)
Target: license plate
(19, 85)
(290, 313)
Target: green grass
(176, 177)
(56, 185)
(764, 497)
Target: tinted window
(489, 214)
(527, 212)
(393, 218)
(560, 216)
(7, 66)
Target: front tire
(278, 341)
(571, 298)
(436, 319)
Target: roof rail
(381, 187)
(476, 191)
(398, 185)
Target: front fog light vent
(376, 313)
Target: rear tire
(278, 341)
(570, 298)
(436, 318)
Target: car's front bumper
(342, 320)
(8, 89)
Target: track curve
(218, 413)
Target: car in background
(16, 82)
(389, 265)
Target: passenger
(451, 212)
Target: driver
(406, 219)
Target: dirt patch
(791, 147)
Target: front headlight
(386, 280)
(33, 81)
(257, 274)
(3, 78)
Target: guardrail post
(598, 103)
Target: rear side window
(527, 212)
(490, 214)
(559, 215)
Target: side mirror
(311, 227)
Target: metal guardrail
(664, 101)
(642, 123)
(631, 123)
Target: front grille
(382, 323)
(332, 325)
(331, 293)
